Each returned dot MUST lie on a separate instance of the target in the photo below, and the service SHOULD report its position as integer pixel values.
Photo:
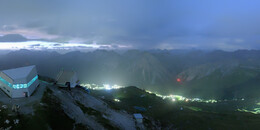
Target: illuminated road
(255, 110)
(171, 97)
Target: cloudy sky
(130, 24)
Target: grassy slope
(217, 85)
(193, 115)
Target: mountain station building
(19, 82)
(67, 79)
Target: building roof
(65, 76)
(18, 73)
(138, 116)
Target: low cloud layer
(217, 24)
(45, 45)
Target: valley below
(109, 107)
(171, 89)
(216, 74)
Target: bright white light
(107, 87)
(171, 96)
(116, 100)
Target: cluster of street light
(181, 98)
(171, 97)
(103, 87)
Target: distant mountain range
(17, 38)
(13, 38)
(205, 74)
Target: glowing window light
(32, 81)
(19, 86)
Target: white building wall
(32, 74)
(4, 76)
(32, 88)
(17, 93)
(6, 89)
(73, 81)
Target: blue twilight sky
(130, 24)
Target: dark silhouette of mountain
(204, 74)
(13, 38)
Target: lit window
(18, 86)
